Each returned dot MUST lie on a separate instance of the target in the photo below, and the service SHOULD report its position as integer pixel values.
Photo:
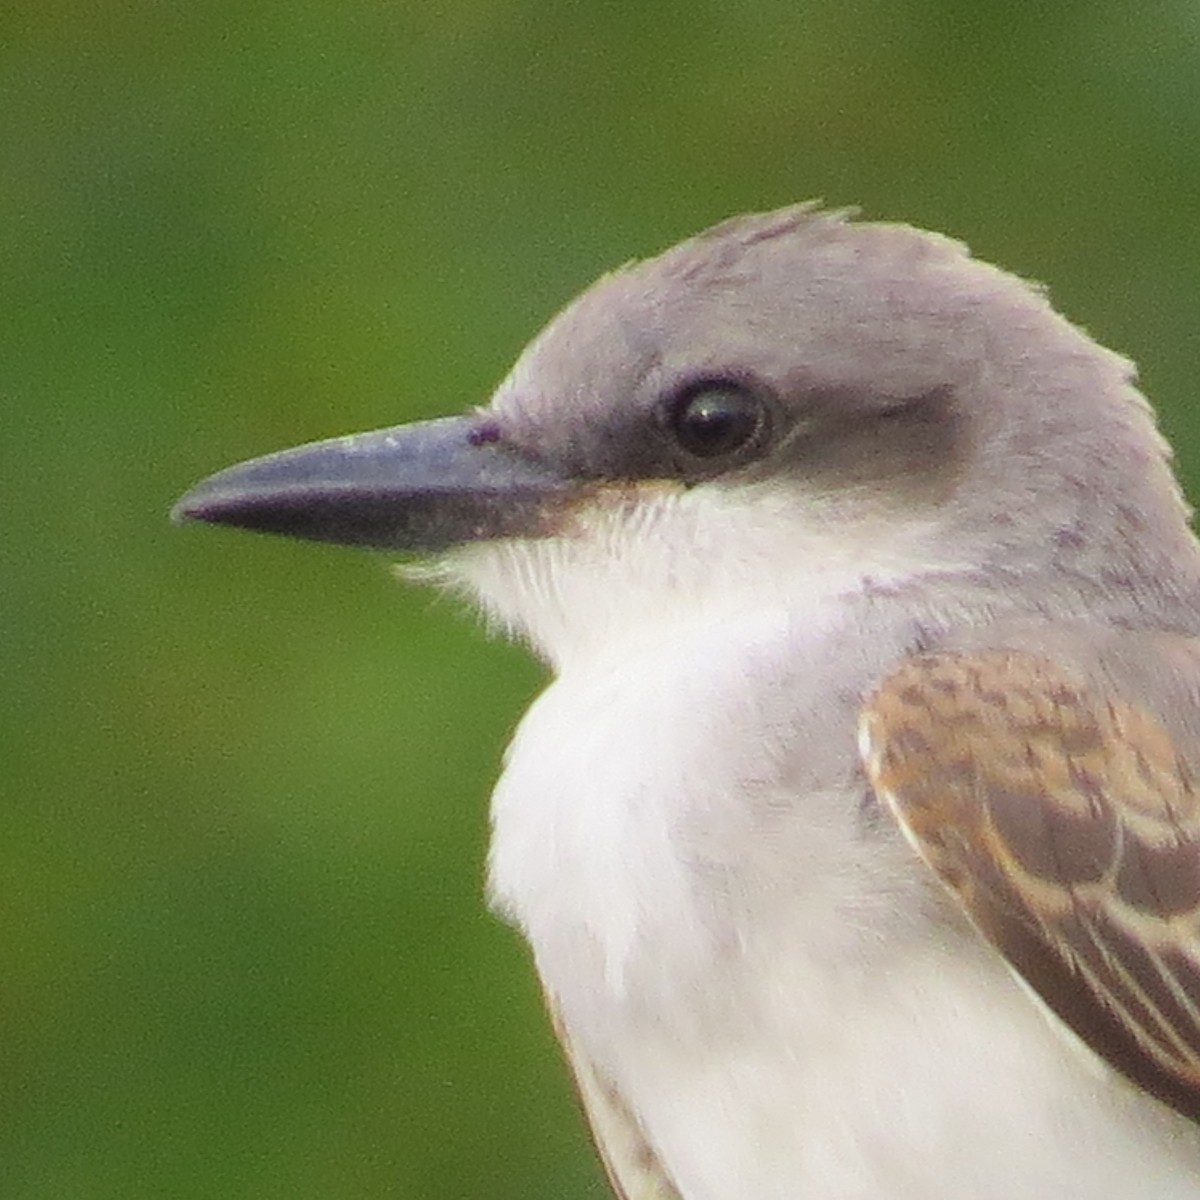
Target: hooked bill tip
(214, 505)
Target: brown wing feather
(1068, 827)
(630, 1162)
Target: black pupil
(716, 420)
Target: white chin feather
(642, 558)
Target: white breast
(807, 1032)
(609, 770)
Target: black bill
(419, 487)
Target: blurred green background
(242, 946)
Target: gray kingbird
(857, 833)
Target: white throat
(665, 613)
(643, 564)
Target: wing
(1068, 827)
(632, 1166)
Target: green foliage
(242, 945)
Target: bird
(856, 831)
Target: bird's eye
(716, 419)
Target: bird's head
(790, 403)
